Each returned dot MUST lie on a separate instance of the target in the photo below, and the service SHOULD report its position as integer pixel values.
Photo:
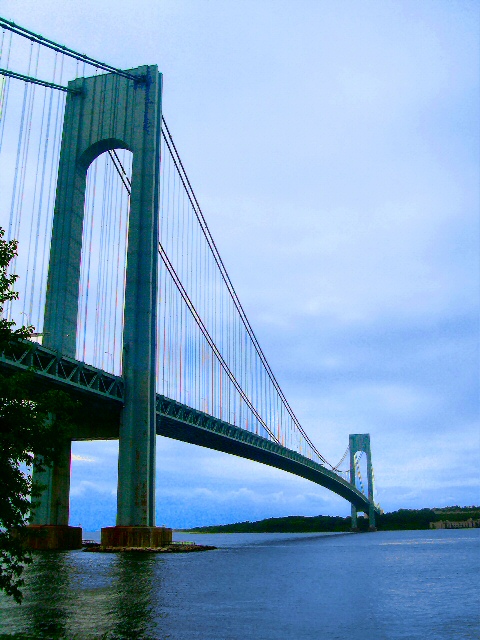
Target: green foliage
(396, 520)
(31, 421)
(406, 519)
(290, 524)
(8, 250)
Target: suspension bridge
(134, 312)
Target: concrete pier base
(45, 537)
(124, 536)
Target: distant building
(462, 524)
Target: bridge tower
(361, 442)
(102, 113)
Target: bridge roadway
(101, 395)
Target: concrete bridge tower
(107, 112)
(361, 442)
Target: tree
(31, 422)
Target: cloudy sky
(334, 148)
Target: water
(386, 585)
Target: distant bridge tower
(103, 113)
(361, 442)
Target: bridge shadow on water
(285, 539)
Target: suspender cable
(210, 342)
(198, 212)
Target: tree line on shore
(402, 519)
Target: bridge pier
(119, 536)
(102, 113)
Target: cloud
(85, 487)
(242, 494)
(78, 458)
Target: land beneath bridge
(403, 519)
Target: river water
(375, 586)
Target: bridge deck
(101, 396)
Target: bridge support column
(354, 526)
(371, 508)
(361, 442)
(53, 504)
(136, 461)
(49, 522)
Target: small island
(403, 519)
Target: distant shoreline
(403, 519)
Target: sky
(334, 148)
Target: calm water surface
(385, 585)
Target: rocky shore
(175, 547)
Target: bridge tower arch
(102, 113)
(361, 442)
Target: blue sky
(334, 148)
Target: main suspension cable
(35, 37)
